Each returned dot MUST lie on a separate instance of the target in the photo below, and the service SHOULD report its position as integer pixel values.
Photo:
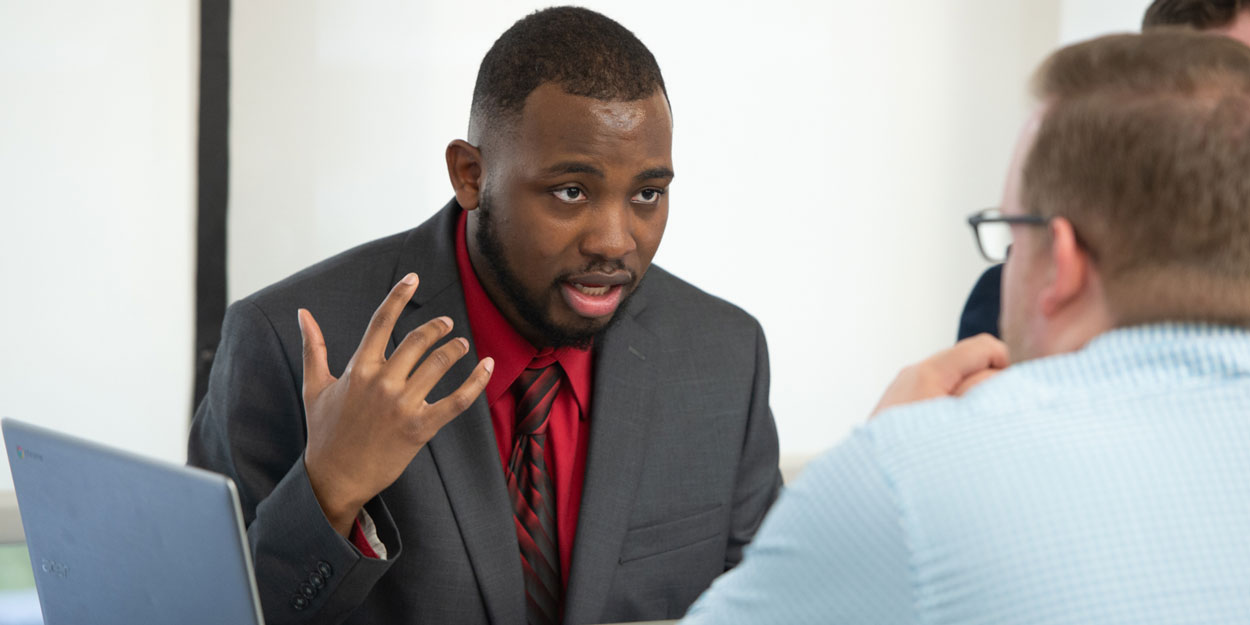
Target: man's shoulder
(362, 275)
(1113, 384)
(358, 276)
(347, 275)
(679, 308)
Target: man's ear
(1070, 268)
(464, 167)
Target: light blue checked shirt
(1110, 485)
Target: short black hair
(1200, 14)
(586, 53)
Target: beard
(529, 304)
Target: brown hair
(1200, 14)
(1145, 148)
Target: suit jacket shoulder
(343, 291)
(348, 274)
(675, 308)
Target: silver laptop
(118, 538)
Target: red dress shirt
(568, 433)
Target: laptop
(118, 538)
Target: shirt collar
(1158, 356)
(493, 336)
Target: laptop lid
(118, 538)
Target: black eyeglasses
(992, 230)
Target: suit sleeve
(833, 550)
(759, 475)
(250, 427)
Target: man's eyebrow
(573, 167)
(654, 172)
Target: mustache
(617, 266)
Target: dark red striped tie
(533, 497)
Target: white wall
(826, 155)
(97, 129)
(1083, 19)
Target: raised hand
(365, 427)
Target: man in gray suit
(605, 450)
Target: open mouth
(591, 290)
(592, 300)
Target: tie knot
(536, 390)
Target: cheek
(650, 231)
(533, 242)
(538, 259)
(1019, 287)
(1012, 283)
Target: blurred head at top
(1225, 17)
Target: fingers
(449, 407)
(949, 372)
(316, 369)
(373, 345)
(970, 356)
(414, 346)
(435, 367)
(974, 380)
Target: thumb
(968, 358)
(316, 370)
(975, 379)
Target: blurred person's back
(1104, 476)
(1108, 485)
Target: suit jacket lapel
(464, 451)
(621, 409)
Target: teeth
(592, 290)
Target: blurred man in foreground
(1103, 477)
(1230, 18)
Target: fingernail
(299, 317)
(447, 322)
(488, 364)
(463, 342)
(410, 279)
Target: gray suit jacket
(681, 468)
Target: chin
(582, 335)
(568, 329)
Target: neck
(1071, 325)
(1156, 295)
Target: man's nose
(610, 234)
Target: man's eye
(648, 196)
(570, 194)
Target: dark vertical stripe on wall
(213, 179)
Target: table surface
(644, 623)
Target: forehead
(557, 125)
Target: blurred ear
(1070, 269)
(464, 167)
